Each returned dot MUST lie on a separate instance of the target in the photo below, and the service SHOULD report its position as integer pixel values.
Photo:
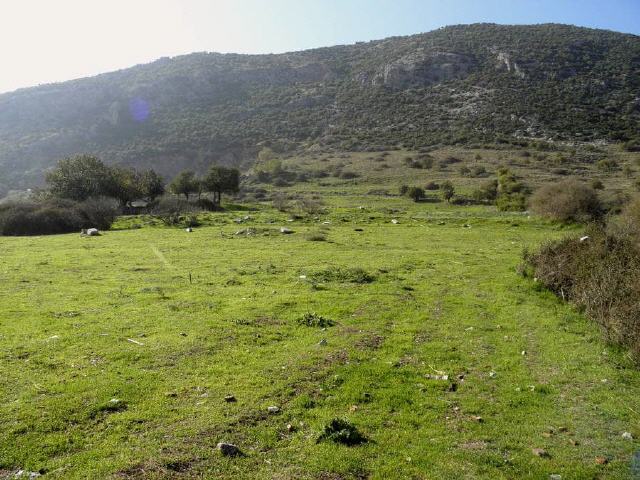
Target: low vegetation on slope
(468, 84)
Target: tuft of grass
(312, 319)
(343, 275)
(343, 432)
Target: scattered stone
(461, 377)
(183, 334)
(493, 374)
(323, 342)
(540, 452)
(286, 230)
(573, 442)
(273, 409)
(291, 428)
(584, 239)
(523, 353)
(394, 221)
(478, 418)
(437, 377)
(466, 225)
(326, 223)
(26, 474)
(563, 429)
(90, 232)
(229, 449)
(188, 229)
(627, 436)
(602, 460)
(171, 394)
(229, 399)
(353, 408)
(555, 476)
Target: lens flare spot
(139, 109)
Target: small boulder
(93, 232)
(229, 399)
(627, 436)
(540, 452)
(394, 221)
(188, 229)
(273, 409)
(229, 449)
(285, 230)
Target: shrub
(175, 211)
(280, 202)
(98, 213)
(415, 193)
(55, 216)
(341, 431)
(601, 275)
(207, 205)
(515, 202)
(478, 171)
(447, 190)
(566, 201)
(597, 184)
(607, 165)
(312, 319)
(310, 205)
(315, 237)
(348, 175)
(432, 186)
(403, 189)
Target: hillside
(462, 84)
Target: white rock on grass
(285, 230)
(627, 436)
(273, 409)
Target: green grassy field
(118, 351)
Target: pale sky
(44, 41)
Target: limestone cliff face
(420, 68)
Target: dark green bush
(312, 319)
(342, 431)
(56, 216)
(601, 275)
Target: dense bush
(567, 201)
(55, 216)
(601, 275)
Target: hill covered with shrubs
(456, 85)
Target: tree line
(82, 177)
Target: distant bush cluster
(55, 216)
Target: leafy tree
(151, 185)
(415, 193)
(448, 190)
(185, 184)
(80, 177)
(221, 180)
(123, 184)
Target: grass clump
(312, 319)
(343, 275)
(315, 237)
(343, 432)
